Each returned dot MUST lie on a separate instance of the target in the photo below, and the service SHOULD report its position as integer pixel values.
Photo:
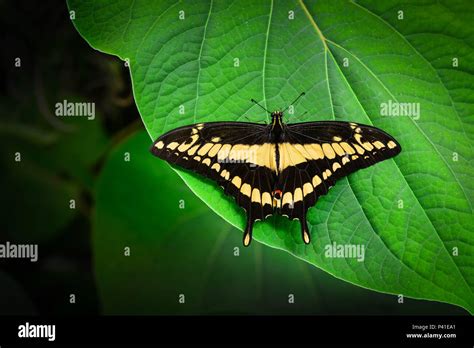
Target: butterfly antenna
(254, 101)
(294, 101)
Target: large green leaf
(412, 213)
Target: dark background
(56, 64)
(61, 158)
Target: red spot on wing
(277, 194)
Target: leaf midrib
(265, 57)
(199, 60)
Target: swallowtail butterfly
(275, 168)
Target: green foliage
(412, 213)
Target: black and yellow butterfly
(275, 168)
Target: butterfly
(275, 168)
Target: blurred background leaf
(39, 188)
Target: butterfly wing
(316, 154)
(236, 155)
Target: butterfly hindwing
(236, 155)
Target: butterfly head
(277, 118)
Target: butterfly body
(277, 131)
(277, 168)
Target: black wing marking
(315, 155)
(236, 155)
